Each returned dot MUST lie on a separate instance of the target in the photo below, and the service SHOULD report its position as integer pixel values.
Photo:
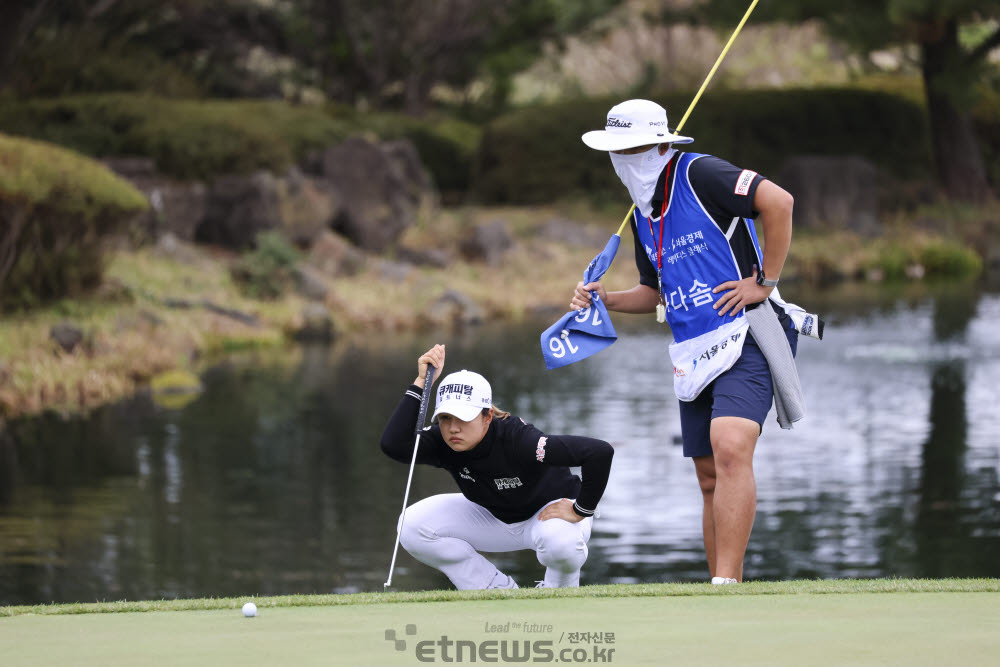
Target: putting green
(856, 629)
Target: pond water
(272, 481)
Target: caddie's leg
(734, 502)
(447, 532)
(704, 467)
(561, 546)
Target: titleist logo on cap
(615, 122)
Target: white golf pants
(447, 531)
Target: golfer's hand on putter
(560, 509)
(741, 294)
(434, 357)
(582, 298)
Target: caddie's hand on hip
(582, 298)
(560, 509)
(741, 294)
(434, 357)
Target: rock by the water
(395, 271)
(454, 308)
(67, 335)
(487, 243)
(307, 206)
(435, 257)
(310, 283)
(239, 208)
(176, 207)
(561, 230)
(335, 256)
(315, 324)
(376, 191)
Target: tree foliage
(952, 65)
(388, 54)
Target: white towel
(770, 337)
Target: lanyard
(659, 244)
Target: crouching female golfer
(516, 488)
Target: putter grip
(428, 381)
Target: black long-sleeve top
(514, 471)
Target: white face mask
(640, 172)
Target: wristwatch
(761, 280)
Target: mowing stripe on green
(812, 587)
(804, 629)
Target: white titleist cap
(634, 123)
(463, 394)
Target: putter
(428, 381)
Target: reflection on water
(272, 481)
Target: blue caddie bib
(695, 257)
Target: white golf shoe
(722, 581)
(501, 580)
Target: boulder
(486, 243)
(376, 191)
(417, 182)
(561, 230)
(397, 272)
(176, 207)
(334, 255)
(307, 206)
(435, 257)
(832, 192)
(239, 208)
(310, 283)
(314, 324)
(454, 308)
(67, 335)
(172, 247)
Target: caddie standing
(703, 271)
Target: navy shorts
(742, 391)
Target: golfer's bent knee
(562, 547)
(414, 532)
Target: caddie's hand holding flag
(581, 333)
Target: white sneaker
(542, 584)
(722, 581)
(501, 580)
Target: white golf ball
(249, 609)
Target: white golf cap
(634, 123)
(464, 395)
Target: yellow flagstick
(701, 90)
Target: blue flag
(581, 333)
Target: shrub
(949, 259)
(56, 209)
(266, 272)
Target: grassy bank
(150, 315)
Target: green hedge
(535, 154)
(192, 139)
(56, 208)
(186, 138)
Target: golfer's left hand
(560, 509)
(741, 294)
